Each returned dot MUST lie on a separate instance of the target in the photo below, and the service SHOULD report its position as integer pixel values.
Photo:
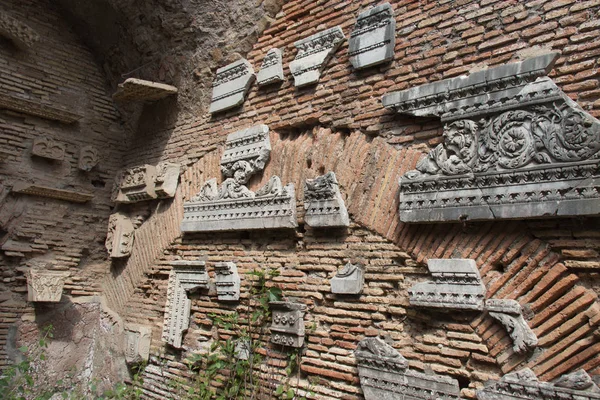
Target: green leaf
(279, 390)
(23, 349)
(290, 394)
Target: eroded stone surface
(314, 52)
(323, 203)
(456, 285)
(44, 191)
(348, 280)
(120, 236)
(20, 34)
(287, 327)
(385, 375)
(508, 313)
(38, 109)
(147, 182)
(373, 38)
(140, 90)
(515, 146)
(48, 148)
(231, 85)
(45, 285)
(271, 70)
(137, 343)
(88, 158)
(166, 179)
(227, 281)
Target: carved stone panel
(192, 274)
(314, 52)
(524, 385)
(349, 280)
(323, 203)
(45, 285)
(53, 193)
(508, 313)
(249, 148)
(384, 375)
(271, 70)
(456, 285)
(287, 326)
(166, 179)
(21, 34)
(515, 146)
(38, 109)
(88, 158)
(177, 312)
(119, 239)
(137, 343)
(231, 85)
(373, 38)
(138, 183)
(227, 281)
(140, 90)
(48, 148)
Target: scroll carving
(88, 158)
(348, 280)
(48, 148)
(508, 313)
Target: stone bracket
(44, 191)
(147, 182)
(140, 90)
(508, 313)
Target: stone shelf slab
(271, 70)
(45, 285)
(141, 90)
(231, 85)
(44, 191)
(38, 109)
(314, 52)
(373, 38)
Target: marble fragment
(508, 313)
(323, 203)
(314, 52)
(177, 312)
(227, 281)
(53, 193)
(137, 343)
(38, 109)
(287, 327)
(373, 38)
(271, 70)
(146, 182)
(120, 236)
(134, 89)
(45, 285)
(192, 274)
(348, 280)
(48, 148)
(88, 158)
(231, 85)
(166, 179)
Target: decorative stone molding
(48, 148)
(323, 203)
(271, 70)
(515, 146)
(43, 191)
(314, 52)
(508, 313)
(233, 206)
(45, 285)
(227, 281)
(38, 109)
(177, 312)
(374, 36)
(523, 385)
(18, 32)
(192, 274)
(384, 375)
(88, 158)
(287, 327)
(166, 179)
(137, 343)
(456, 285)
(147, 182)
(140, 90)
(120, 236)
(348, 280)
(231, 85)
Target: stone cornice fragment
(231, 85)
(38, 109)
(134, 89)
(508, 313)
(44, 191)
(287, 327)
(373, 37)
(323, 203)
(271, 70)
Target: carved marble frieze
(88, 158)
(384, 375)
(287, 326)
(515, 146)
(53, 193)
(192, 274)
(271, 70)
(137, 343)
(177, 312)
(227, 281)
(232, 206)
(231, 85)
(22, 35)
(508, 313)
(147, 182)
(120, 236)
(46, 147)
(348, 280)
(134, 89)
(38, 109)
(45, 285)
(524, 385)
(456, 285)
(373, 38)
(314, 52)
(323, 203)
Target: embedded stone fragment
(287, 327)
(456, 285)
(48, 148)
(16, 31)
(374, 36)
(134, 89)
(323, 203)
(166, 179)
(524, 385)
(508, 313)
(120, 236)
(137, 343)
(146, 182)
(192, 274)
(385, 375)
(242, 349)
(38, 109)
(515, 146)
(88, 158)
(348, 280)
(227, 281)
(177, 312)
(231, 85)
(45, 285)
(232, 206)
(44, 191)
(271, 70)
(314, 52)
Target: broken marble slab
(137, 343)
(271, 70)
(509, 314)
(373, 37)
(287, 327)
(134, 89)
(348, 280)
(227, 281)
(231, 85)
